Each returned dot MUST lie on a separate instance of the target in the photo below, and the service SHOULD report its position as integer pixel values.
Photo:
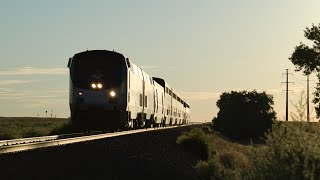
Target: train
(108, 91)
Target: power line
(287, 91)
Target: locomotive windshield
(103, 67)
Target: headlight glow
(99, 85)
(112, 94)
(93, 85)
(80, 93)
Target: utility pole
(308, 116)
(287, 91)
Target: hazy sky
(202, 48)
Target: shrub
(292, 152)
(230, 163)
(210, 169)
(244, 114)
(207, 129)
(195, 140)
(234, 160)
(214, 169)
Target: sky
(201, 48)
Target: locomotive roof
(160, 81)
(94, 52)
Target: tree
(307, 59)
(300, 107)
(244, 114)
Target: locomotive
(108, 91)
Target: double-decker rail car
(108, 91)
(158, 104)
(140, 90)
(176, 109)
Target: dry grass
(227, 159)
(235, 158)
(21, 127)
(291, 150)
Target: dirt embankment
(149, 155)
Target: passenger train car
(108, 91)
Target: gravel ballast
(148, 155)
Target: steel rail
(37, 139)
(47, 141)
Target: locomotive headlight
(80, 93)
(112, 94)
(99, 85)
(93, 85)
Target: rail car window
(141, 99)
(145, 101)
(108, 69)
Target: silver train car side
(108, 91)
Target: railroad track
(16, 145)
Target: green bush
(210, 169)
(292, 152)
(214, 169)
(195, 140)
